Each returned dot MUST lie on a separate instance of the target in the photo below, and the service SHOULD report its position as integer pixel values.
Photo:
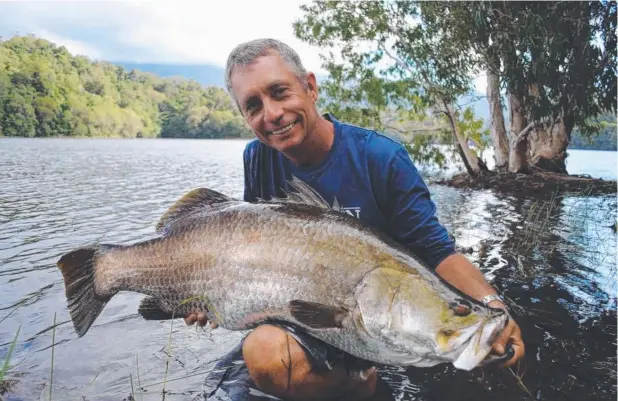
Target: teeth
(284, 129)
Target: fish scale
(296, 260)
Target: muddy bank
(533, 184)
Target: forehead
(259, 76)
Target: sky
(179, 32)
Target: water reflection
(554, 259)
(555, 262)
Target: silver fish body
(294, 260)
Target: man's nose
(273, 112)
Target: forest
(45, 91)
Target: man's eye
(280, 91)
(251, 108)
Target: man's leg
(280, 366)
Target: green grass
(6, 366)
(51, 375)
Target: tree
(389, 38)
(556, 61)
(19, 115)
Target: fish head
(421, 322)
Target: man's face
(279, 109)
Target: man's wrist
(494, 301)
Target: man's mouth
(283, 130)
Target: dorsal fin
(197, 200)
(306, 195)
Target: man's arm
(411, 212)
(415, 224)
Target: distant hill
(605, 139)
(205, 74)
(46, 91)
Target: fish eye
(461, 308)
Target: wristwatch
(489, 298)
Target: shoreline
(233, 138)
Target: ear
(312, 86)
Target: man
(369, 175)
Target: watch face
(488, 298)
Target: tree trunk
(498, 132)
(472, 163)
(548, 146)
(518, 162)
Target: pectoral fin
(316, 315)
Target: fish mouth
(479, 345)
(285, 129)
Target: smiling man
(373, 178)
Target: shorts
(230, 380)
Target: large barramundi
(296, 260)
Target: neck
(316, 146)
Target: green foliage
(45, 91)
(472, 129)
(389, 65)
(423, 151)
(435, 148)
(6, 366)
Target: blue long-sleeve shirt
(373, 179)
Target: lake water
(554, 260)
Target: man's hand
(201, 320)
(511, 334)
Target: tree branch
(529, 127)
(525, 131)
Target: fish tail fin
(84, 303)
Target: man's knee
(279, 366)
(275, 360)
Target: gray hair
(246, 53)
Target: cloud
(203, 32)
(159, 31)
(75, 47)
